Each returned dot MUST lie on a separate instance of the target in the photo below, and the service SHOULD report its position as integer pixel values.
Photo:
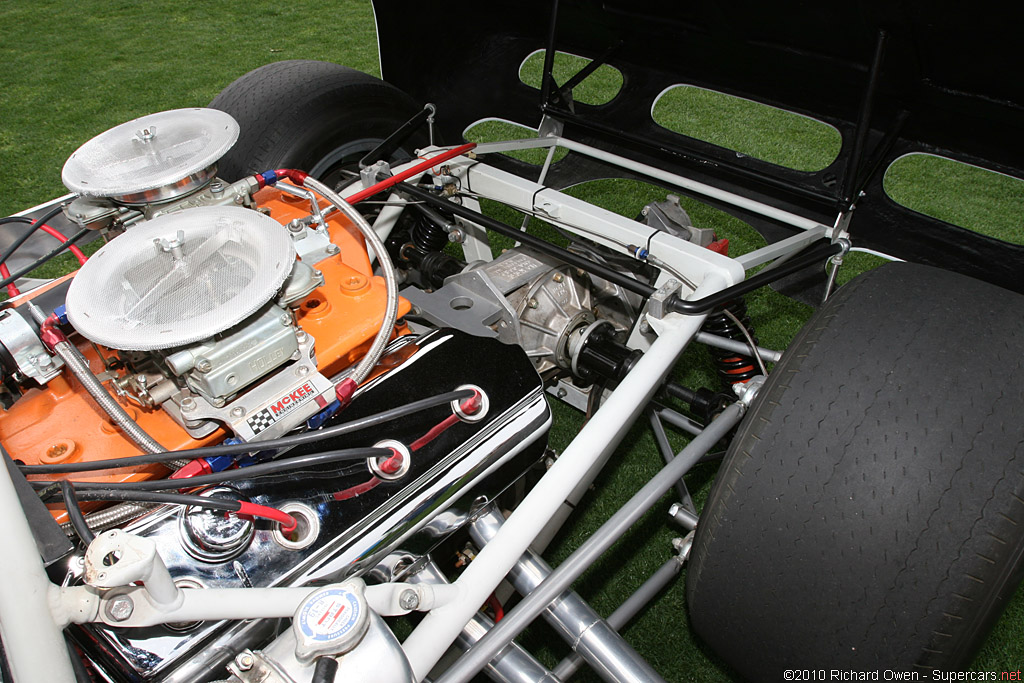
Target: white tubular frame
(33, 610)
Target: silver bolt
(558, 277)
(141, 379)
(237, 411)
(302, 370)
(532, 303)
(219, 402)
(644, 211)
(286, 320)
(677, 544)
(239, 200)
(645, 326)
(301, 337)
(561, 393)
(456, 236)
(43, 361)
(295, 225)
(332, 249)
(245, 661)
(203, 365)
(409, 599)
(188, 405)
(216, 188)
(120, 608)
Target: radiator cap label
(331, 621)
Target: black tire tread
(858, 519)
(288, 109)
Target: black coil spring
(732, 367)
(428, 236)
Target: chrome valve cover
(349, 519)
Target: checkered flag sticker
(260, 421)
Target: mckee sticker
(281, 407)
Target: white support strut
(598, 438)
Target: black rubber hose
(250, 446)
(45, 257)
(325, 671)
(75, 513)
(28, 233)
(250, 472)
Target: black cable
(75, 513)
(325, 671)
(45, 257)
(251, 446)
(77, 664)
(250, 472)
(208, 502)
(31, 231)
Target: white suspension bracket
(115, 559)
(395, 599)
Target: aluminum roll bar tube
(562, 577)
(580, 626)
(596, 440)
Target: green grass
(748, 128)
(984, 201)
(598, 88)
(75, 70)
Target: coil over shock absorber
(429, 236)
(732, 367)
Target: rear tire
(317, 117)
(870, 512)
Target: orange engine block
(60, 423)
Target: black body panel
(893, 78)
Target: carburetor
(196, 301)
(215, 310)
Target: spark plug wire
(245, 447)
(5, 273)
(241, 507)
(470, 406)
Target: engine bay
(294, 420)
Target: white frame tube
(33, 642)
(595, 442)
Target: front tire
(870, 512)
(314, 116)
